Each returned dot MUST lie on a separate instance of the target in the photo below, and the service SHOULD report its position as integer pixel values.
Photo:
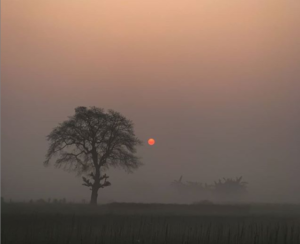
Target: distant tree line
(224, 189)
(49, 201)
(40, 201)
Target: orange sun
(151, 141)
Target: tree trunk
(95, 186)
(94, 196)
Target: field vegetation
(115, 223)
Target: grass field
(150, 223)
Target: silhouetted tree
(90, 142)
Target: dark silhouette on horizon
(90, 142)
(226, 189)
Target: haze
(214, 82)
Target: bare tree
(90, 142)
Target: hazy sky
(215, 82)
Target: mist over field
(215, 83)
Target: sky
(215, 83)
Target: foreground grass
(148, 226)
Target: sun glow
(151, 141)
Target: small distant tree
(90, 142)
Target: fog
(215, 83)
